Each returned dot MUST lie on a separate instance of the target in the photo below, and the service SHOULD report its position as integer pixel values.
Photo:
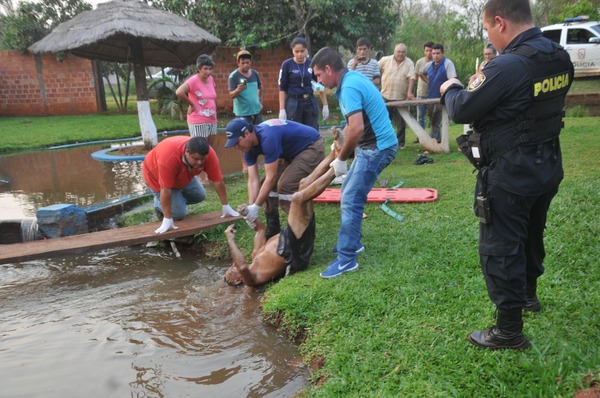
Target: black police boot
(273, 224)
(508, 333)
(531, 301)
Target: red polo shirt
(164, 166)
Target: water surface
(137, 322)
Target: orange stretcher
(380, 195)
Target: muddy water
(137, 322)
(129, 322)
(36, 179)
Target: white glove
(340, 167)
(252, 215)
(167, 224)
(226, 210)
(282, 114)
(325, 112)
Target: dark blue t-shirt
(280, 139)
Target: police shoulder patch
(477, 82)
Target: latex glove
(340, 167)
(226, 210)
(325, 112)
(252, 215)
(167, 224)
(282, 114)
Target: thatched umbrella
(131, 31)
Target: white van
(581, 39)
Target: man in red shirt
(171, 170)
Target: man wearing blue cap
(291, 152)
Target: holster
(470, 146)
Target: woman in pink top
(199, 93)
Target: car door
(583, 45)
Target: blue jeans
(193, 193)
(363, 173)
(421, 112)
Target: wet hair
(197, 145)
(517, 11)
(428, 44)
(438, 46)
(363, 41)
(238, 282)
(328, 56)
(204, 60)
(299, 40)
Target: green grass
(585, 86)
(398, 326)
(28, 133)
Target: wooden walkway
(85, 243)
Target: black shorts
(297, 252)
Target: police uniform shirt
(499, 95)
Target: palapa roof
(106, 32)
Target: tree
(252, 23)
(30, 22)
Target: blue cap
(234, 130)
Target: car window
(579, 36)
(553, 34)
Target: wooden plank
(135, 235)
(429, 143)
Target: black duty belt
(302, 96)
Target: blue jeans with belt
(193, 193)
(366, 167)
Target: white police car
(581, 39)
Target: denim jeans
(436, 122)
(363, 173)
(421, 112)
(193, 193)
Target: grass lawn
(585, 86)
(28, 133)
(398, 326)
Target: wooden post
(429, 143)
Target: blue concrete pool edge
(104, 155)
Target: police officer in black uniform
(515, 107)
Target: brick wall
(266, 61)
(35, 86)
